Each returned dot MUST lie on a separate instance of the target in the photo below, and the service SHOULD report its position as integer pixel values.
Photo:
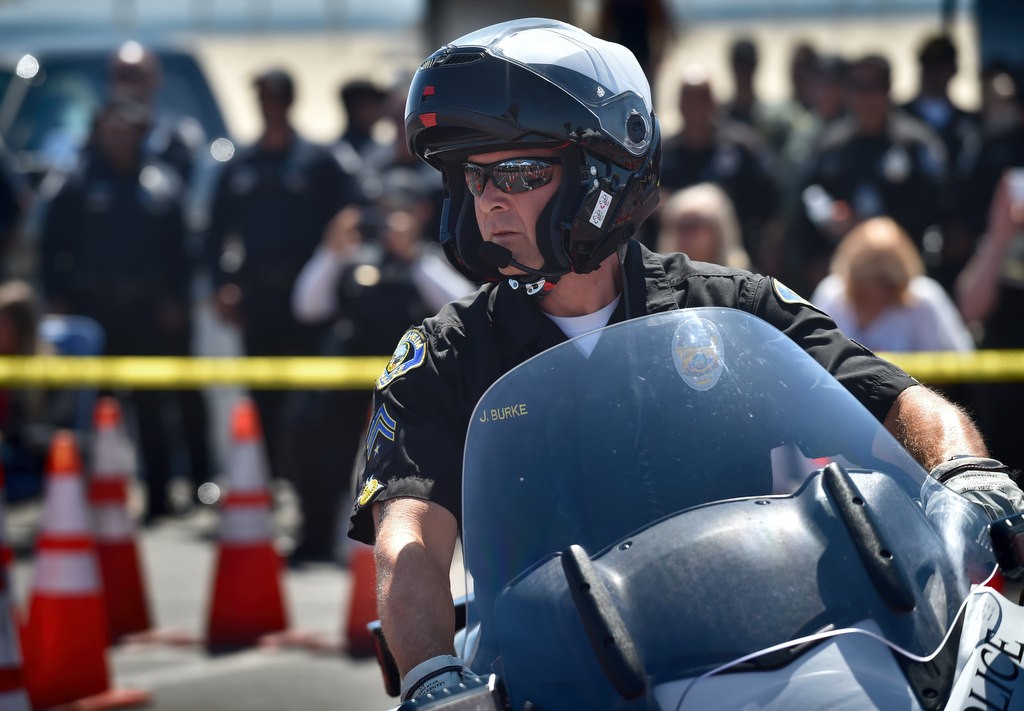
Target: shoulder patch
(787, 295)
(409, 354)
(371, 489)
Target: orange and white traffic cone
(6, 554)
(362, 608)
(65, 639)
(109, 487)
(13, 696)
(247, 599)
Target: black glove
(984, 481)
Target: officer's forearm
(931, 428)
(414, 600)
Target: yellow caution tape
(155, 372)
(359, 373)
(947, 367)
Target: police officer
(557, 255)
(134, 72)
(271, 205)
(713, 149)
(875, 161)
(937, 60)
(113, 248)
(375, 273)
(174, 140)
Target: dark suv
(47, 99)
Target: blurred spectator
(394, 157)
(714, 149)
(990, 293)
(174, 140)
(803, 67)
(984, 162)
(874, 161)
(375, 274)
(745, 106)
(645, 27)
(272, 203)
(998, 99)
(948, 248)
(803, 70)
(13, 202)
(112, 248)
(937, 60)
(700, 221)
(827, 104)
(135, 73)
(22, 412)
(877, 294)
(364, 104)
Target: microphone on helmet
(499, 258)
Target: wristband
(432, 675)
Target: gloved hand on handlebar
(984, 481)
(433, 675)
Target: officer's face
(510, 220)
(868, 96)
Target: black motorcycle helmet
(539, 83)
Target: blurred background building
(326, 41)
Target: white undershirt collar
(573, 326)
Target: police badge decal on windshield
(697, 353)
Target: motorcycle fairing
(692, 608)
(731, 550)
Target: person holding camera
(374, 274)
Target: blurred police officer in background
(113, 249)
(135, 73)
(875, 161)
(364, 104)
(272, 203)
(712, 148)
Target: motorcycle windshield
(731, 497)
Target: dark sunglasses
(513, 176)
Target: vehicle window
(54, 116)
(184, 92)
(57, 110)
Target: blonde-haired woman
(878, 294)
(701, 222)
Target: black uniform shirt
(739, 162)
(278, 204)
(440, 370)
(901, 173)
